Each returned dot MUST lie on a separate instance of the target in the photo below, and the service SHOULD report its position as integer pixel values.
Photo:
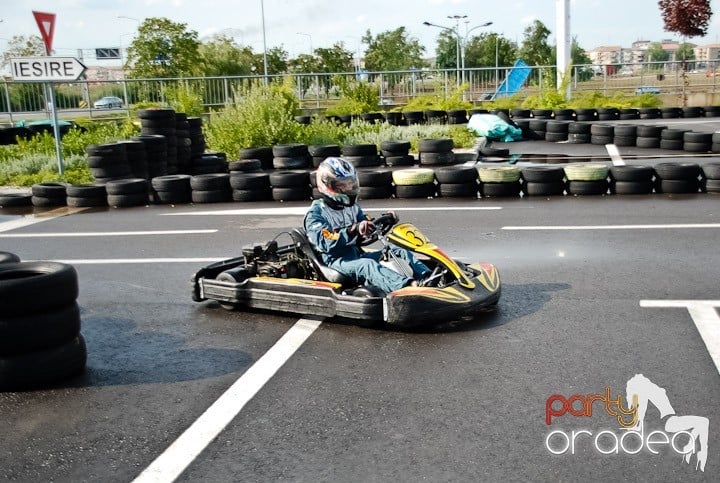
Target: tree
(685, 51)
(656, 53)
(221, 56)
(480, 51)
(163, 48)
(277, 62)
(21, 46)
(689, 18)
(446, 56)
(393, 50)
(335, 59)
(535, 49)
(578, 55)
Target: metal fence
(319, 91)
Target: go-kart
(292, 278)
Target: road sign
(46, 68)
(46, 24)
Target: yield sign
(46, 23)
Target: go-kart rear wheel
(234, 276)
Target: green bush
(356, 97)
(439, 101)
(39, 168)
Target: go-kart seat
(330, 274)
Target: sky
(301, 25)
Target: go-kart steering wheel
(383, 224)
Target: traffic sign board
(46, 68)
(46, 24)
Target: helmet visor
(345, 186)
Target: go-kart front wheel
(235, 275)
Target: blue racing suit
(328, 231)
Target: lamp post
(465, 42)
(457, 45)
(309, 38)
(262, 13)
(457, 19)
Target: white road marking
(705, 316)
(120, 261)
(106, 233)
(614, 227)
(183, 451)
(21, 222)
(300, 210)
(614, 153)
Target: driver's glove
(364, 228)
(394, 215)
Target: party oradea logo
(684, 435)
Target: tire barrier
(457, 181)
(291, 185)
(290, 156)
(499, 181)
(12, 200)
(46, 195)
(711, 177)
(677, 177)
(211, 188)
(263, 153)
(321, 152)
(108, 161)
(86, 195)
(361, 155)
(171, 189)
(161, 122)
(155, 154)
(436, 152)
(396, 153)
(40, 340)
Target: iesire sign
(46, 68)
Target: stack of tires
(650, 113)
(248, 181)
(457, 116)
(211, 188)
(586, 179)
(13, 200)
(677, 177)
(516, 114)
(457, 181)
(321, 152)
(579, 132)
(396, 153)
(375, 183)
(586, 115)
(543, 180)
(49, 195)
(290, 156)
(625, 135)
(124, 193)
(711, 177)
(414, 183)
(436, 152)
(155, 153)
(672, 139)
(697, 142)
(671, 112)
(361, 155)
(414, 117)
(291, 185)
(715, 146)
(171, 189)
(184, 150)
(161, 122)
(629, 114)
(541, 113)
(434, 116)
(40, 340)
(137, 159)
(108, 161)
(648, 136)
(711, 111)
(608, 114)
(631, 180)
(537, 128)
(564, 115)
(602, 134)
(499, 181)
(196, 136)
(86, 195)
(263, 153)
(209, 163)
(692, 111)
(556, 131)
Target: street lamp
(456, 31)
(465, 41)
(309, 38)
(262, 14)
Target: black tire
(631, 187)
(395, 147)
(542, 174)
(81, 202)
(210, 182)
(672, 144)
(428, 158)
(564, 114)
(673, 134)
(172, 182)
(555, 137)
(7, 257)
(249, 181)
(299, 162)
(439, 145)
(457, 174)
(624, 140)
(631, 173)
(128, 200)
(711, 170)
(426, 190)
(31, 287)
(211, 196)
(677, 171)
(252, 195)
(520, 113)
(289, 179)
(489, 151)
(499, 189)
(556, 127)
(537, 124)
(324, 151)
(358, 150)
(375, 192)
(296, 193)
(375, 177)
(366, 161)
(86, 191)
(711, 186)
(552, 188)
(625, 130)
(42, 202)
(698, 137)
(642, 142)
(172, 197)
(247, 165)
(126, 186)
(598, 187)
(28, 333)
(601, 140)
(576, 138)
(650, 113)
(650, 131)
(115, 171)
(579, 128)
(541, 113)
(40, 368)
(602, 130)
(9, 200)
(459, 190)
(49, 190)
(676, 186)
(292, 150)
(697, 147)
(406, 160)
(692, 111)
(105, 161)
(156, 113)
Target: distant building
(606, 55)
(101, 73)
(707, 55)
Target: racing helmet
(337, 182)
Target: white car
(108, 102)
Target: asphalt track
(586, 282)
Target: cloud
(528, 19)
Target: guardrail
(319, 91)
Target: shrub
(439, 100)
(356, 97)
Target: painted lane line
(614, 154)
(106, 233)
(705, 316)
(614, 227)
(300, 211)
(128, 261)
(183, 451)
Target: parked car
(108, 102)
(647, 90)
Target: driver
(336, 225)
